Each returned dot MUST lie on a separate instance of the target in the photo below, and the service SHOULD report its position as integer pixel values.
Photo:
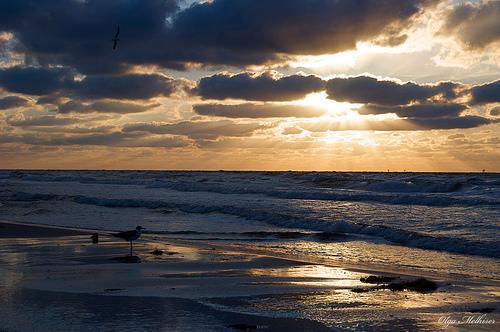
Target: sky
(336, 85)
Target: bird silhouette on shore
(130, 236)
(115, 38)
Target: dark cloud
(115, 139)
(13, 102)
(242, 32)
(105, 107)
(129, 86)
(487, 93)
(198, 129)
(365, 89)
(475, 25)
(461, 122)
(231, 32)
(50, 99)
(78, 33)
(416, 111)
(120, 107)
(120, 139)
(264, 87)
(76, 130)
(58, 80)
(42, 121)
(73, 106)
(258, 111)
(36, 80)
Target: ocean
(424, 222)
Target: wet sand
(18, 230)
(63, 282)
(54, 279)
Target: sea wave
(396, 235)
(408, 186)
(382, 195)
(428, 189)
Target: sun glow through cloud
(333, 108)
(339, 111)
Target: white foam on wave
(282, 219)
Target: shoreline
(28, 230)
(223, 284)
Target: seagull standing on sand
(115, 38)
(130, 236)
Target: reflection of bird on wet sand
(115, 38)
(130, 236)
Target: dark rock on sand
(420, 285)
(377, 279)
(363, 290)
(157, 252)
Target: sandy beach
(55, 279)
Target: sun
(333, 108)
